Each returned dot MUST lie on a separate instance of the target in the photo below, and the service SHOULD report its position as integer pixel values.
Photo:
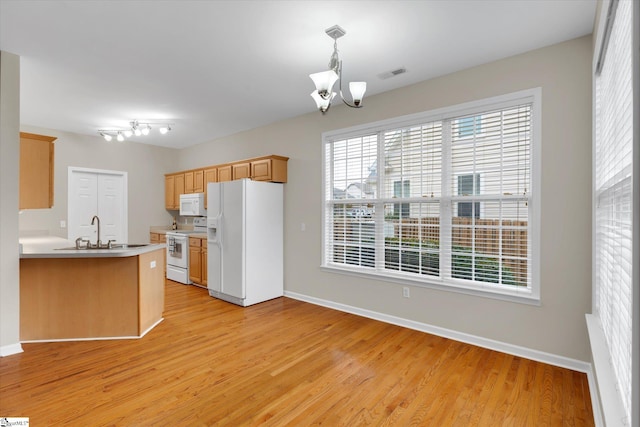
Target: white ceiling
(214, 68)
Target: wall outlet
(153, 264)
(63, 223)
(405, 292)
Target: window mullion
(445, 203)
(379, 206)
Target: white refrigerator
(245, 241)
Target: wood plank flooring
(283, 363)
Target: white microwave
(192, 204)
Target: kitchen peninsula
(77, 294)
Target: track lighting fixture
(137, 128)
(324, 80)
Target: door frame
(125, 194)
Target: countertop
(49, 247)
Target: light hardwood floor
(283, 362)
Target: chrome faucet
(98, 243)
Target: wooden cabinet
(224, 173)
(174, 186)
(169, 191)
(268, 168)
(157, 238)
(194, 182)
(205, 263)
(188, 182)
(36, 171)
(272, 169)
(198, 181)
(210, 175)
(241, 170)
(198, 260)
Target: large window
(446, 202)
(615, 197)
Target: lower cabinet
(162, 239)
(198, 260)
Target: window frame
(527, 295)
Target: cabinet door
(36, 171)
(195, 266)
(241, 170)
(204, 261)
(224, 173)
(261, 170)
(210, 175)
(179, 189)
(169, 191)
(198, 181)
(188, 182)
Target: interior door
(102, 193)
(110, 207)
(83, 205)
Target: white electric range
(178, 251)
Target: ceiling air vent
(392, 73)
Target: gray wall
(9, 173)
(557, 326)
(145, 166)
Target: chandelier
(324, 80)
(137, 128)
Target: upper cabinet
(36, 171)
(241, 170)
(224, 173)
(174, 186)
(268, 168)
(273, 169)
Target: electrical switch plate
(153, 264)
(303, 226)
(405, 292)
(63, 223)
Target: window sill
(522, 295)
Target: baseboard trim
(515, 350)
(11, 349)
(131, 337)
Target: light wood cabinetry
(194, 181)
(198, 181)
(36, 171)
(157, 237)
(123, 298)
(205, 263)
(174, 186)
(272, 169)
(210, 175)
(268, 168)
(198, 260)
(225, 173)
(241, 170)
(188, 182)
(170, 192)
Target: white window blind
(444, 201)
(613, 198)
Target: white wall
(145, 166)
(557, 326)
(9, 173)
